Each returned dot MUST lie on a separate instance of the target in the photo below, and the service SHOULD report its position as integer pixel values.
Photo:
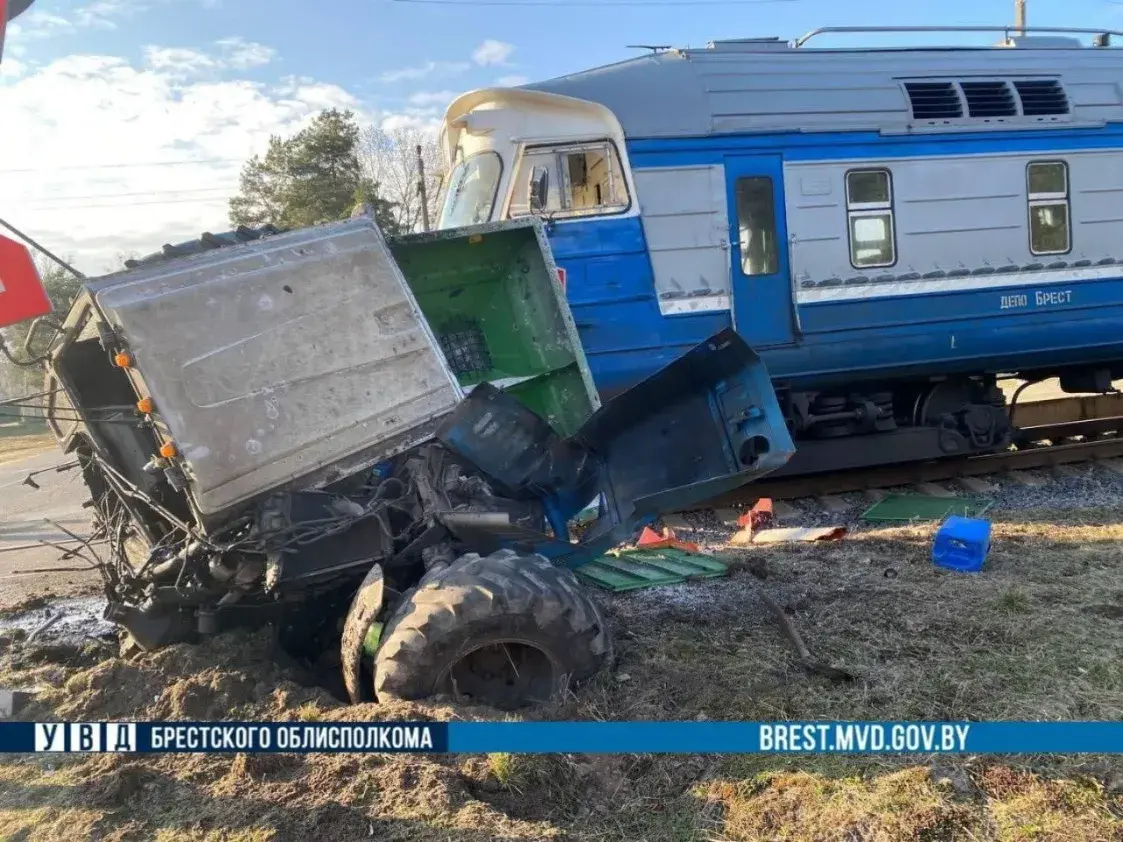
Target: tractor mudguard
(702, 426)
(364, 608)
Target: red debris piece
(758, 515)
(649, 539)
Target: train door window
(756, 218)
(573, 180)
(869, 211)
(1048, 207)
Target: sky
(124, 123)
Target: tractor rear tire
(503, 630)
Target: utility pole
(1020, 17)
(421, 191)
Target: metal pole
(1020, 17)
(43, 249)
(421, 191)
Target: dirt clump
(229, 676)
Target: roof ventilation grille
(934, 100)
(1041, 97)
(989, 99)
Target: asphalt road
(27, 567)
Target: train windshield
(472, 189)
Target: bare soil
(1036, 635)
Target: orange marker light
(167, 450)
(145, 405)
(123, 360)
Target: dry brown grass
(14, 448)
(1036, 636)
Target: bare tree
(389, 159)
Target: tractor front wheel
(503, 630)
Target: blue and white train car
(891, 229)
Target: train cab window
(1048, 207)
(869, 211)
(567, 181)
(756, 219)
(472, 188)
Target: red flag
(22, 295)
(3, 24)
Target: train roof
(757, 85)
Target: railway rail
(1060, 431)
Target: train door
(763, 304)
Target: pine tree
(310, 178)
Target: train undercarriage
(886, 423)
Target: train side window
(583, 179)
(1048, 195)
(756, 218)
(869, 211)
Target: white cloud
(178, 60)
(240, 54)
(489, 53)
(40, 23)
(100, 13)
(421, 71)
(492, 52)
(511, 81)
(233, 54)
(10, 68)
(199, 130)
(440, 98)
(410, 120)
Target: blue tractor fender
(703, 425)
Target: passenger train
(893, 230)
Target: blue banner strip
(785, 737)
(569, 737)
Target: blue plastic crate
(962, 544)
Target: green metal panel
(634, 569)
(906, 507)
(490, 295)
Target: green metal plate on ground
(907, 507)
(634, 569)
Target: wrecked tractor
(381, 446)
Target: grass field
(1037, 635)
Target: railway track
(1062, 431)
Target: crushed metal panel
(705, 424)
(302, 356)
